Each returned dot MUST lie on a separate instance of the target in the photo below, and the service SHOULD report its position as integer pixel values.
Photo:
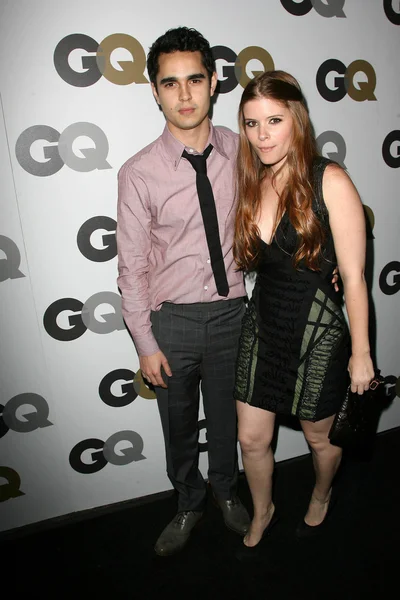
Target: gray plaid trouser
(200, 342)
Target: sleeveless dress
(294, 346)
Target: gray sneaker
(177, 532)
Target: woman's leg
(326, 459)
(255, 430)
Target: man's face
(183, 90)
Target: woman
(298, 216)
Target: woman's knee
(316, 443)
(316, 434)
(253, 442)
(319, 443)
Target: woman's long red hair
(296, 197)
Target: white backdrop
(78, 428)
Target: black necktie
(209, 214)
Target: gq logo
(391, 149)
(61, 152)
(66, 328)
(392, 387)
(391, 14)
(99, 61)
(10, 417)
(344, 84)
(203, 446)
(11, 488)
(93, 243)
(106, 452)
(9, 266)
(329, 8)
(235, 73)
(389, 279)
(334, 138)
(369, 222)
(122, 386)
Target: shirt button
(191, 150)
(206, 287)
(208, 260)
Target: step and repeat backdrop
(78, 426)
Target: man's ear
(213, 85)
(154, 90)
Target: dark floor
(111, 555)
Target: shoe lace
(181, 517)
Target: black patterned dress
(295, 345)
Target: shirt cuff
(146, 346)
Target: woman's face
(269, 128)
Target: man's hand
(151, 368)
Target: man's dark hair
(181, 39)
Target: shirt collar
(174, 148)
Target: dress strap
(319, 206)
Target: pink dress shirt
(162, 247)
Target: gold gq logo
(122, 386)
(235, 73)
(344, 80)
(98, 61)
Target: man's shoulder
(142, 160)
(228, 138)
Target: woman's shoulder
(323, 166)
(328, 173)
(337, 187)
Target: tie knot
(198, 161)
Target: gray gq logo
(11, 488)
(61, 152)
(36, 419)
(83, 317)
(325, 8)
(106, 452)
(9, 266)
(333, 137)
(89, 233)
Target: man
(182, 298)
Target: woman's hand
(361, 372)
(335, 279)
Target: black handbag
(355, 422)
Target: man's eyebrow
(189, 77)
(197, 76)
